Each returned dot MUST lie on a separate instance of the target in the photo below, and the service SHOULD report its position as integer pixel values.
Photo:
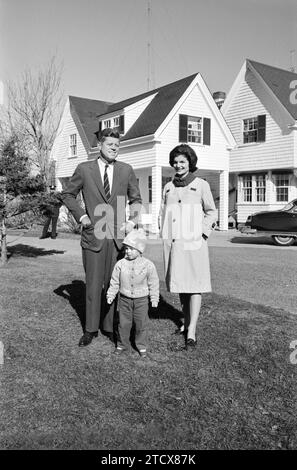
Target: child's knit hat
(136, 239)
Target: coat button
(179, 200)
(173, 240)
(173, 220)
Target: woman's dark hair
(188, 152)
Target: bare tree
(34, 111)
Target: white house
(152, 124)
(261, 112)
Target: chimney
(219, 97)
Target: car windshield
(289, 206)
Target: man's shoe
(191, 343)
(42, 236)
(87, 338)
(53, 237)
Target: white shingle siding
(138, 156)
(66, 164)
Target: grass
(237, 390)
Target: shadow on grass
(166, 311)
(30, 251)
(75, 293)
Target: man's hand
(109, 300)
(85, 221)
(127, 226)
(154, 304)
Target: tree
(19, 192)
(34, 112)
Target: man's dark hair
(108, 132)
(189, 154)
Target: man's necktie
(106, 183)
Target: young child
(136, 278)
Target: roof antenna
(292, 53)
(150, 61)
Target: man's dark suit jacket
(104, 214)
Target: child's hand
(155, 304)
(109, 300)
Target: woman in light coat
(187, 217)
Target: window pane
(250, 130)
(194, 129)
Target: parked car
(281, 225)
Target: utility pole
(292, 53)
(150, 61)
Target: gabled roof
(87, 111)
(157, 110)
(278, 81)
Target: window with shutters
(194, 129)
(254, 129)
(73, 145)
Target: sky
(103, 45)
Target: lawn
(237, 390)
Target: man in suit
(106, 185)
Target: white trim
(140, 140)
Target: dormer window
(116, 122)
(107, 123)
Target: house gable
(69, 125)
(272, 86)
(203, 97)
(216, 138)
(250, 97)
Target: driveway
(244, 267)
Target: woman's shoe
(180, 331)
(191, 343)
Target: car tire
(283, 241)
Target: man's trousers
(98, 267)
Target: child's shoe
(118, 351)
(142, 353)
